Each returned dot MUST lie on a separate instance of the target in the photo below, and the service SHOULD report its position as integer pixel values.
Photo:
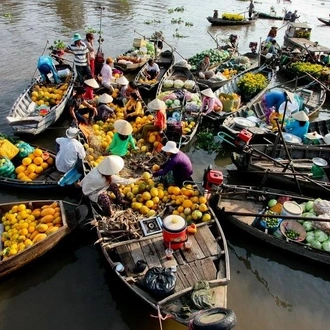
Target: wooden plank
(202, 244)
(189, 275)
(195, 266)
(208, 269)
(243, 206)
(210, 240)
(126, 259)
(150, 254)
(181, 276)
(194, 252)
(136, 251)
(178, 257)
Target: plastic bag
(321, 206)
(160, 281)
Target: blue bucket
(271, 230)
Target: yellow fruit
(50, 161)
(144, 209)
(47, 211)
(187, 203)
(156, 199)
(146, 175)
(203, 207)
(146, 196)
(47, 218)
(38, 161)
(33, 176)
(36, 213)
(151, 213)
(51, 230)
(154, 192)
(206, 217)
(57, 221)
(44, 165)
(39, 169)
(202, 200)
(26, 161)
(176, 191)
(155, 167)
(42, 228)
(39, 237)
(37, 152)
(20, 169)
(149, 204)
(23, 232)
(31, 229)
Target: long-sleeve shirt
(119, 147)
(209, 103)
(295, 128)
(95, 183)
(180, 165)
(160, 119)
(70, 151)
(134, 108)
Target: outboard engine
(212, 179)
(47, 69)
(253, 47)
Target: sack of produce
(321, 206)
(160, 281)
(7, 149)
(24, 149)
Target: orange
(202, 200)
(26, 161)
(50, 161)
(146, 196)
(31, 168)
(39, 169)
(37, 152)
(32, 176)
(44, 165)
(187, 203)
(176, 191)
(20, 169)
(32, 156)
(149, 204)
(38, 160)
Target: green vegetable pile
(291, 234)
(271, 222)
(216, 56)
(205, 141)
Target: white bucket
(291, 209)
(63, 73)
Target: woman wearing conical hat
(210, 102)
(300, 124)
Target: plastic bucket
(174, 231)
(63, 73)
(291, 209)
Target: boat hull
(226, 22)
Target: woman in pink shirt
(210, 101)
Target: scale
(151, 226)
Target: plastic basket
(293, 225)
(7, 149)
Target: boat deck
(233, 205)
(191, 265)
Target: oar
(215, 40)
(263, 215)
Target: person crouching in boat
(123, 97)
(210, 102)
(203, 68)
(159, 123)
(76, 112)
(103, 179)
(70, 150)
(133, 108)
(177, 168)
(152, 70)
(90, 85)
(104, 112)
(299, 125)
(271, 101)
(122, 139)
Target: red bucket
(174, 231)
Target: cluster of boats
(200, 268)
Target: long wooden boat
(269, 163)
(227, 22)
(232, 87)
(12, 258)
(165, 60)
(272, 17)
(142, 244)
(313, 95)
(186, 112)
(48, 178)
(326, 21)
(29, 116)
(241, 207)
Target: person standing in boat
(299, 125)
(76, 112)
(215, 13)
(106, 74)
(122, 139)
(251, 9)
(70, 150)
(210, 102)
(271, 101)
(178, 166)
(89, 43)
(294, 16)
(81, 58)
(152, 70)
(105, 178)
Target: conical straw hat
(92, 83)
(301, 116)
(122, 80)
(105, 98)
(157, 104)
(208, 92)
(123, 127)
(111, 165)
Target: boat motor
(243, 138)
(47, 69)
(212, 179)
(253, 47)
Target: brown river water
(71, 287)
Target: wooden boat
(142, 244)
(313, 95)
(47, 179)
(184, 113)
(272, 16)
(269, 163)
(26, 117)
(13, 261)
(165, 60)
(241, 207)
(326, 21)
(130, 63)
(232, 87)
(225, 22)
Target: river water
(71, 287)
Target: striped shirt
(80, 53)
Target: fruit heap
(149, 198)
(33, 165)
(187, 127)
(216, 56)
(145, 81)
(126, 59)
(232, 17)
(49, 96)
(25, 226)
(228, 73)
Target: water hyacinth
(252, 83)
